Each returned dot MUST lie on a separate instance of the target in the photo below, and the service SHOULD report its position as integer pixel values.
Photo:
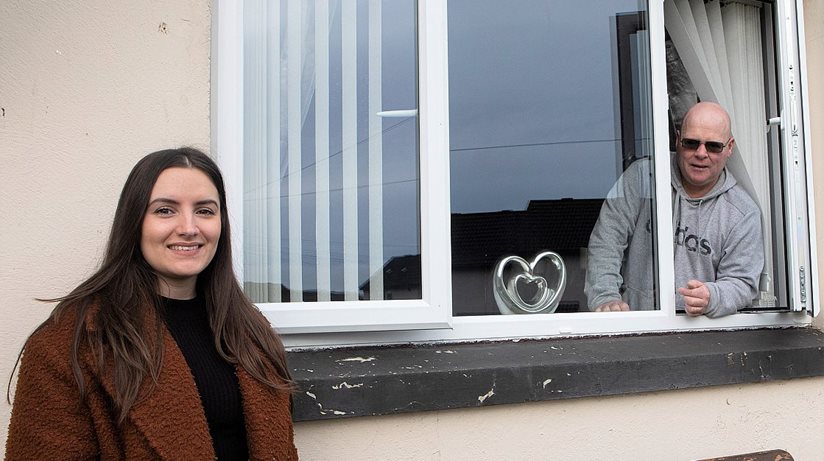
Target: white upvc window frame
(795, 135)
(430, 319)
(434, 309)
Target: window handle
(398, 113)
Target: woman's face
(181, 229)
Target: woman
(159, 354)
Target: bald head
(706, 123)
(710, 114)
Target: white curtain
(720, 47)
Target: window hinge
(803, 286)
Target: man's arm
(742, 260)
(610, 237)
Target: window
(383, 182)
(538, 136)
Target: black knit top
(216, 379)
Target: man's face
(701, 167)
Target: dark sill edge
(383, 380)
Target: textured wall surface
(661, 426)
(86, 89)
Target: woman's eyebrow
(175, 202)
(208, 202)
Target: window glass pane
(731, 60)
(550, 104)
(331, 180)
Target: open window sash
(720, 47)
(794, 123)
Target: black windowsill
(337, 383)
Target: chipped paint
(445, 352)
(489, 394)
(547, 381)
(334, 412)
(325, 411)
(356, 359)
(345, 385)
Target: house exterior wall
(663, 426)
(86, 89)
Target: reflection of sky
(533, 101)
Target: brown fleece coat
(50, 421)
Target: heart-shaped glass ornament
(520, 290)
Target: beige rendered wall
(87, 88)
(663, 426)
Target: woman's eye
(206, 211)
(163, 211)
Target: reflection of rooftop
(479, 239)
(399, 271)
(401, 278)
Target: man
(718, 243)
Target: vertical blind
(314, 132)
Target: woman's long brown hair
(125, 287)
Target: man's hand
(613, 306)
(696, 298)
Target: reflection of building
(401, 278)
(479, 240)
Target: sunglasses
(713, 147)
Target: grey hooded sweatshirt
(717, 241)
